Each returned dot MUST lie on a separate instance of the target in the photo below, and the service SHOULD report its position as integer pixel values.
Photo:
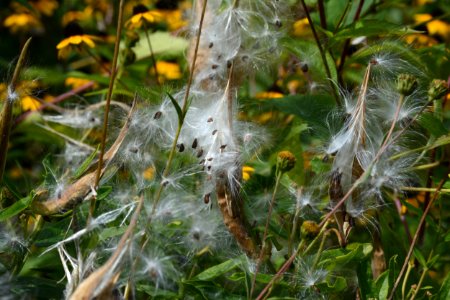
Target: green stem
(405, 280)
(152, 55)
(7, 114)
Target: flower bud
(406, 84)
(285, 161)
(438, 88)
(309, 230)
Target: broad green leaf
(353, 253)
(432, 124)
(162, 43)
(333, 285)
(218, 270)
(16, 208)
(370, 28)
(310, 108)
(364, 274)
(83, 167)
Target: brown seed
(180, 147)
(157, 115)
(223, 147)
(278, 23)
(199, 153)
(206, 198)
(229, 64)
(214, 132)
(194, 143)
(210, 159)
(133, 150)
(211, 45)
(202, 162)
(214, 67)
(210, 119)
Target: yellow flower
(143, 16)
(75, 82)
(434, 27)
(149, 173)
(74, 42)
(22, 22)
(420, 40)
(301, 27)
(76, 16)
(29, 103)
(247, 171)
(47, 7)
(173, 18)
(438, 27)
(167, 71)
(268, 95)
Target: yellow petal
(88, 41)
(63, 44)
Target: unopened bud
(285, 161)
(406, 84)
(309, 230)
(438, 89)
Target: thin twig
(347, 41)
(107, 106)
(416, 236)
(291, 259)
(266, 230)
(322, 52)
(321, 8)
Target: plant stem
(291, 259)
(347, 41)
(322, 52)
(7, 114)
(416, 290)
(107, 106)
(424, 189)
(152, 55)
(321, 8)
(146, 238)
(408, 271)
(266, 230)
(416, 236)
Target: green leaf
(218, 270)
(354, 252)
(177, 108)
(310, 108)
(370, 28)
(334, 284)
(364, 274)
(420, 258)
(162, 43)
(16, 208)
(385, 282)
(432, 124)
(83, 167)
(444, 292)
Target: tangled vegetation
(219, 149)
